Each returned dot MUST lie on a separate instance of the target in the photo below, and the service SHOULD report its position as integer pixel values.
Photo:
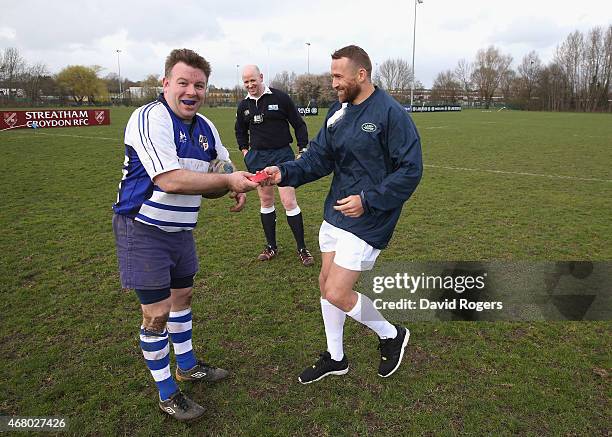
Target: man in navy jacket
(373, 149)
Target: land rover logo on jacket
(368, 127)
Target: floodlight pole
(413, 49)
(119, 70)
(237, 82)
(308, 58)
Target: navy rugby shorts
(152, 259)
(258, 159)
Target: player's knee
(155, 323)
(288, 200)
(333, 297)
(266, 197)
(332, 294)
(290, 205)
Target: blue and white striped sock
(179, 327)
(156, 350)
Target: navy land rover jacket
(374, 150)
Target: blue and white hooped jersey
(157, 141)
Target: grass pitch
(507, 185)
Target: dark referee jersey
(264, 123)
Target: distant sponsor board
(46, 118)
(442, 108)
(308, 110)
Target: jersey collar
(266, 91)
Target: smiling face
(184, 90)
(253, 81)
(346, 79)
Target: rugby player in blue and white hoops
(168, 150)
(373, 149)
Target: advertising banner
(308, 110)
(47, 118)
(439, 108)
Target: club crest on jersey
(368, 127)
(182, 137)
(246, 113)
(203, 142)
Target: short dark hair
(357, 55)
(190, 58)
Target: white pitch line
(78, 136)
(552, 176)
(72, 136)
(517, 173)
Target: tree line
(576, 79)
(32, 84)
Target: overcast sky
(274, 34)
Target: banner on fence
(308, 110)
(48, 118)
(440, 108)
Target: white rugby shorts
(352, 252)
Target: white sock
(333, 319)
(294, 211)
(365, 313)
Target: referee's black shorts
(258, 159)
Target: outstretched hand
(239, 182)
(350, 206)
(274, 176)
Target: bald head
(253, 80)
(251, 69)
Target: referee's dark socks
(296, 223)
(268, 221)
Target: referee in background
(262, 133)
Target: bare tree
(463, 74)
(593, 66)
(554, 88)
(311, 89)
(529, 74)
(446, 88)
(607, 70)
(307, 88)
(507, 84)
(284, 81)
(327, 95)
(112, 82)
(33, 81)
(567, 56)
(12, 67)
(586, 62)
(394, 75)
(490, 67)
